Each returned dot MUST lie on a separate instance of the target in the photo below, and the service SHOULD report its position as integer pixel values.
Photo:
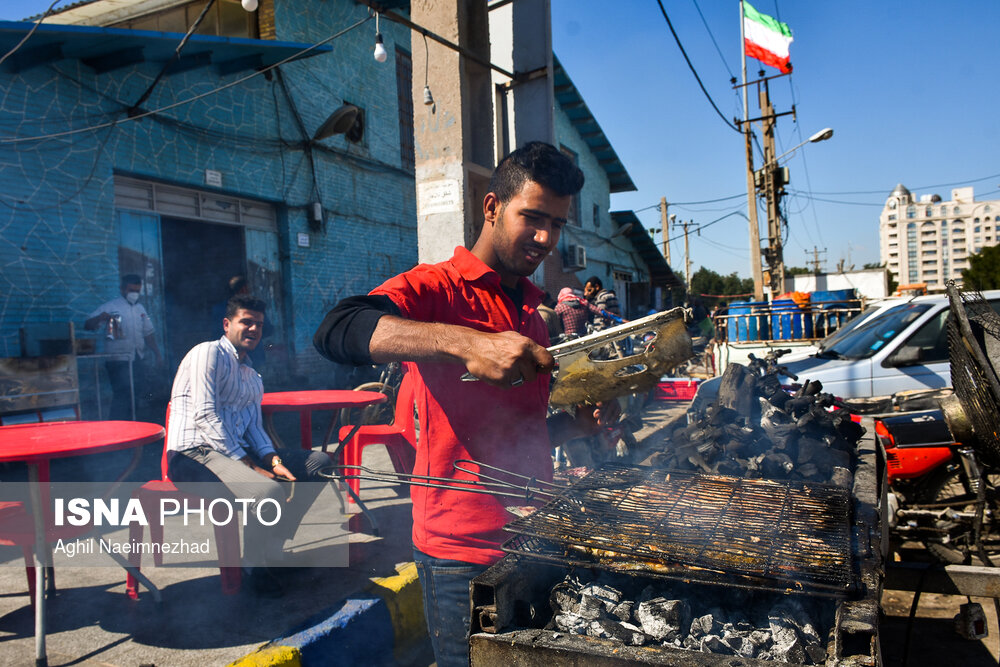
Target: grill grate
(793, 534)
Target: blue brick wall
(58, 238)
(596, 190)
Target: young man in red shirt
(476, 313)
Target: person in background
(216, 434)
(604, 299)
(475, 313)
(129, 333)
(575, 311)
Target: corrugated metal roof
(660, 272)
(575, 108)
(107, 49)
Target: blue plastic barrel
(737, 323)
(839, 300)
(788, 322)
(746, 322)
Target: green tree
(706, 281)
(796, 271)
(984, 269)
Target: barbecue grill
(778, 535)
(710, 534)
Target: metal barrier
(765, 323)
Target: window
(956, 210)
(928, 212)
(986, 209)
(944, 210)
(976, 230)
(931, 339)
(976, 220)
(911, 211)
(573, 217)
(892, 216)
(597, 216)
(404, 99)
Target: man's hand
(248, 462)
(281, 471)
(505, 359)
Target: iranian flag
(766, 38)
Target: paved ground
(92, 622)
(930, 638)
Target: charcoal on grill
(738, 622)
(663, 619)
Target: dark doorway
(199, 258)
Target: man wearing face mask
(128, 331)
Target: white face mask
(132, 297)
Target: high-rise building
(927, 240)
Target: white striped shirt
(215, 402)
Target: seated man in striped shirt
(216, 434)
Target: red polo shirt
(470, 420)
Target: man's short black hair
(595, 281)
(131, 279)
(244, 301)
(539, 162)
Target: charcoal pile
(736, 622)
(756, 429)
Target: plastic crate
(675, 389)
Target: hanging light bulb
(380, 52)
(249, 5)
(428, 98)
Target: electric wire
(712, 37)
(30, 32)
(693, 70)
(168, 107)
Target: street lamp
(822, 135)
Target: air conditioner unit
(576, 258)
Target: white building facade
(927, 240)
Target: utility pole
(665, 228)
(687, 254)
(815, 260)
(757, 274)
(772, 181)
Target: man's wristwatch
(276, 461)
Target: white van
(902, 348)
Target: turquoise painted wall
(59, 231)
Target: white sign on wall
(443, 196)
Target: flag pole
(755, 269)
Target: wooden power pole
(664, 227)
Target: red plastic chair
(150, 494)
(399, 437)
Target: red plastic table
(305, 402)
(37, 445)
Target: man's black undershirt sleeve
(346, 332)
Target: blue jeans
(447, 608)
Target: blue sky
(910, 89)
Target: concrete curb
(366, 629)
